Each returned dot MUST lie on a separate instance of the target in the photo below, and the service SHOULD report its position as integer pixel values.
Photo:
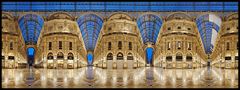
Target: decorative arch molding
(120, 56)
(179, 56)
(60, 15)
(232, 16)
(8, 16)
(60, 55)
(120, 15)
(70, 56)
(130, 56)
(50, 55)
(179, 15)
(109, 56)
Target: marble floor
(146, 77)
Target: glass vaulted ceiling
(31, 26)
(208, 26)
(149, 26)
(90, 26)
(120, 6)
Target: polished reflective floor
(147, 77)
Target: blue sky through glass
(149, 26)
(31, 26)
(90, 26)
(120, 6)
(149, 52)
(205, 27)
(31, 51)
(89, 58)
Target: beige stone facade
(225, 55)
(179, 44)
(13, 45)
(60, 44)
(120, 45)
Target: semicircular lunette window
(31, 26)
(149, 26)
(90, 26)
(208, 27)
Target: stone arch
(177, 15)
(60, 55)
(130, 56)
(56, 15)
(70, 56)
(119, 15)
(232, 16)
(8, 16)
(50, 55)
(109, 56)
(179, 56)
(120, 56)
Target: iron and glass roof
(208, 26)
(120, 6)
(149, 26)
(31, 26)
(90, 26)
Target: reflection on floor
(147, 77)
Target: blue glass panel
(149, 54)
(90, 58)
(205, 29)
(31, 26)
(149, 26)
(90, 26)
(122, 6)
(31, 51)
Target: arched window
(119, 56)
(189, 57)
(120, 45)
(50, 56)
(129, 56)
(179, 57)
(60, 55)
(169, 58)
(70, 56)
(110, 56)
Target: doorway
(90, 59)
(30, 53)
(149, 56)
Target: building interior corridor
(119, 44)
